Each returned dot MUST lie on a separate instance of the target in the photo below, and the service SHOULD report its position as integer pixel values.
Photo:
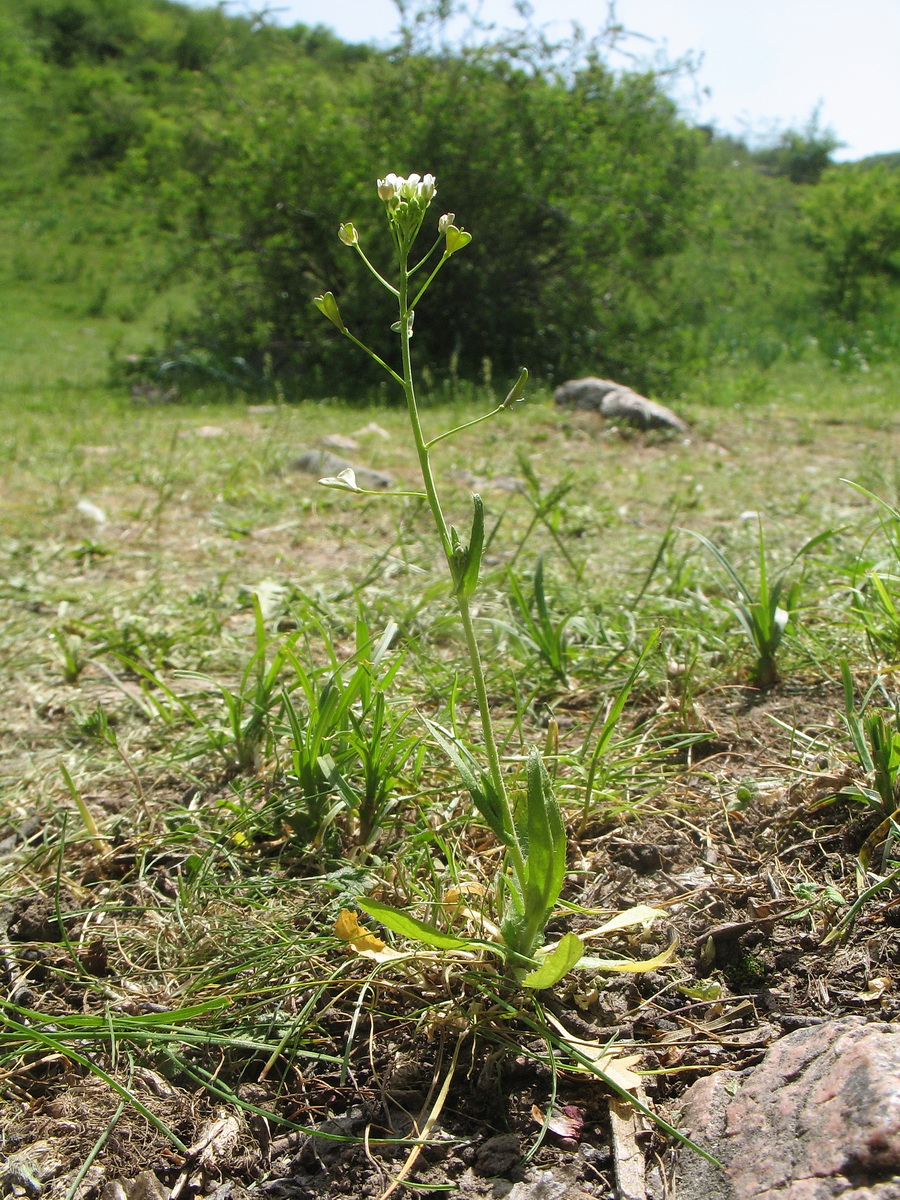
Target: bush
(853, 222)
(575, 190)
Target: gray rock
(617, 402)
(322, 463)
(818, 1119)
(552, 1184)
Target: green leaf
(540, 597)
(559, 962)
(407, 926)
(545, 838)
(742, 588)
(465, 561)
(477, 783)
(889, 508)
(469, 581)
(612, 717)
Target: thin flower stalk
(535, 874)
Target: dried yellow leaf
(641, 914)
(619, 1069)
(348, 929)
(454, 894)
(875, 988)
(605, 1059)
(347, 926)
(632, 966)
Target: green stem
(389, 495)
(490, 743)
(373, 355)
(422, 261)
(524, 539)
(459, 428)
(424, 288)
(381, 279)
(412, 407)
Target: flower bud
(348, 235)
(328, 306)
(456, 239)
(427, 188)
(388, 187)
(445, 222)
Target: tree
(801, 155)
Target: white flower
(389, 187)
(409, 188)
(445, 222)
(414, 187)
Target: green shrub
(584, 186)
(853, 223)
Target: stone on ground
(617, 402)
(817, 1119)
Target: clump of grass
(543, 633)
(765, 612)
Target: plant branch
(424, 288)
(459, 428)
(371, 353)
(422, 261)
(381, 279)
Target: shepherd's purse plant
(531, 830)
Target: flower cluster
(406, 201)
(394, 189)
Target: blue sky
(763, 63)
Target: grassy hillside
(171, 178)
(94, 261)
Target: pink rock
(818, 1119)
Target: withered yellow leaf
(376, 950)
(347, 926)
(875, 988)
(641, 914)
(632, 966)
(348, 929)
(619, 1069)
(604, 1057)
(454, 894)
